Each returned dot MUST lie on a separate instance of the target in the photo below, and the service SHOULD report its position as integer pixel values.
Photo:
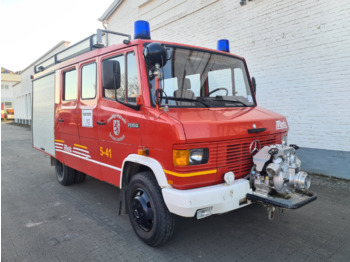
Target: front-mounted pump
(277, 180)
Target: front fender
(153, 164)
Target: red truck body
(128, 138)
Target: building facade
(299, 52)
(8, 80)
(23, 90)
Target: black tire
(65, 175)
(79, 177)
(148, 214)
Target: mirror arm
(254, 84)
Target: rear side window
(88, 81)
(70, 85)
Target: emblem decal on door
(118, 120)
(116, 127)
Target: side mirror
(110, 74)
(254, 84)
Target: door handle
(60, 120)
(101, 123)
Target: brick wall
(299, 52)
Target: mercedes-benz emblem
(255, 146)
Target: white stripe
(58, 144)
(59, 147)
(91, 160)
(82, 154)
(82, 150)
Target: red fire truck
(177, 128)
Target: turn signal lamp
(224, 45)
(181, 157)
(143, 152)
(142, 30)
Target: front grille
(235, 154)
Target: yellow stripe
(84, 147)
(60, 141)
(191, 174)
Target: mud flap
(295, 200)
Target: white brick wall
(299, 52)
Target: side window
(70, 84)
(88, 81)
(133, 83)
(129, 84)
(110, 93)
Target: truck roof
(69, 57)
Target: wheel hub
(142, 210)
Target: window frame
(124, 54)
(109, 58)
(204, 88)
(64, 84)
(127, 78)
(81, 80)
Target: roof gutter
(110, 10)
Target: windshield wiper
(187, 100)
(232, 101)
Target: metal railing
(88, 44)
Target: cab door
(119, 128)
(66, 128)
(88, 147)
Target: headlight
(199, 156)
(285, 140)
(190, 157)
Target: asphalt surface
(44, 221)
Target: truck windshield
(194, 78)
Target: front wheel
(148, 214)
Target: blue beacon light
(224, 45)
(142, 30)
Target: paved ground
(44, 221)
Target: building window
(88, 81)
(6, 87)
(70, 85)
